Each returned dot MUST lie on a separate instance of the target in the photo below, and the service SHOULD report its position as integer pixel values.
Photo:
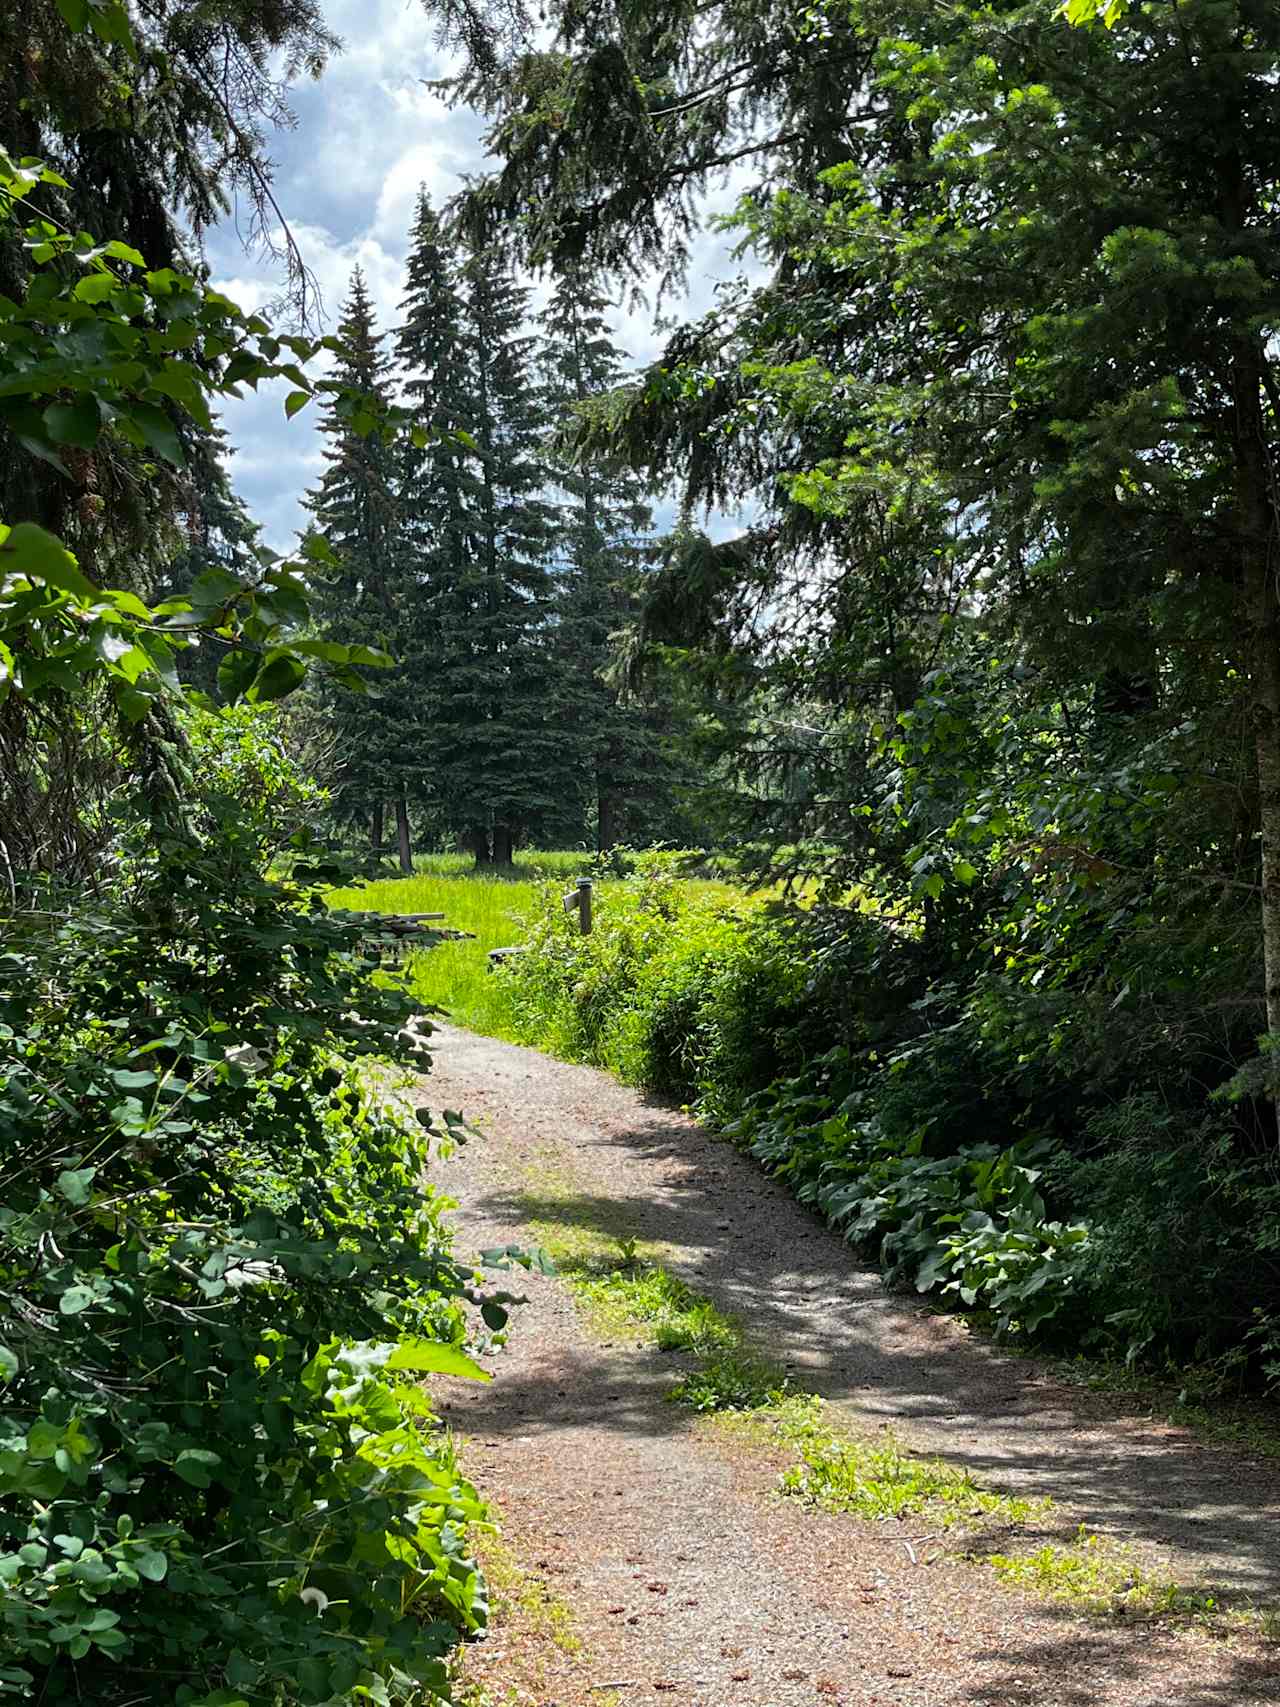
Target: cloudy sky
(369, 133)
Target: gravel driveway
(690, 1583)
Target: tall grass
(495, 907)
(529, 864)
(455, 976)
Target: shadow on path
(599, 1156)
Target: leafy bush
(687, 992)
(219, 1271)
(1185, 1259)
(971, 1226)
(219, 1276)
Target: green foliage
(478, 535)
(880, 1481)
(496, 906)
(1184, 1259)
(1098, 1576)
(660, 989)
(997, 651)
(220, 1270)
(735, 1379)
(635, 1292)
(970, 1225)
(216, 1254)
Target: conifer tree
(618, 746)
(218, 533)
(478, 538)
(156, 138)
(357, 508)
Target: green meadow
(496, 908)
(456, 975)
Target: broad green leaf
(132, 1078)
(316, 549)
(127, 602)
(75, 1299)
(75, 13)
(281, 673)
(76, 1185)
(435, 1359)
(28, 550)
(236, 673)
(77, 423)
(294, 401)
(158, 431)
(122, 252)
(9, 1364)
(197, 1466)
(212, 588)
(96, 287)
(150, 1564)
(110, 23)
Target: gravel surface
(690, 1584)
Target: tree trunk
(476, 842)
(1263, 619)
(607, 816)
(402, 835)
(375, 828)
(1255, 522)
(503, 844)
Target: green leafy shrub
(1184, 1263)
(220, 1275)
(971, 1226)
(686, 992)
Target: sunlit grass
(879, 1479)
(493, 907)
(455, 976)
(1104, 1578)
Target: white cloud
(369, 134)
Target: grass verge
(532, 1640)
(1248, 1424)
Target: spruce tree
(156, 138)
(218, 533)
(478, 541)
(356, 506)
(618, 744)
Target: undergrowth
(1104, 1578)
(999, 1166)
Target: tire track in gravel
(689, 1584)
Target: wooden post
(580, 897)
(402, 836)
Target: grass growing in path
(1103, 1578)
(626, 1288)
(878, 1479)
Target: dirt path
(690, 1584)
